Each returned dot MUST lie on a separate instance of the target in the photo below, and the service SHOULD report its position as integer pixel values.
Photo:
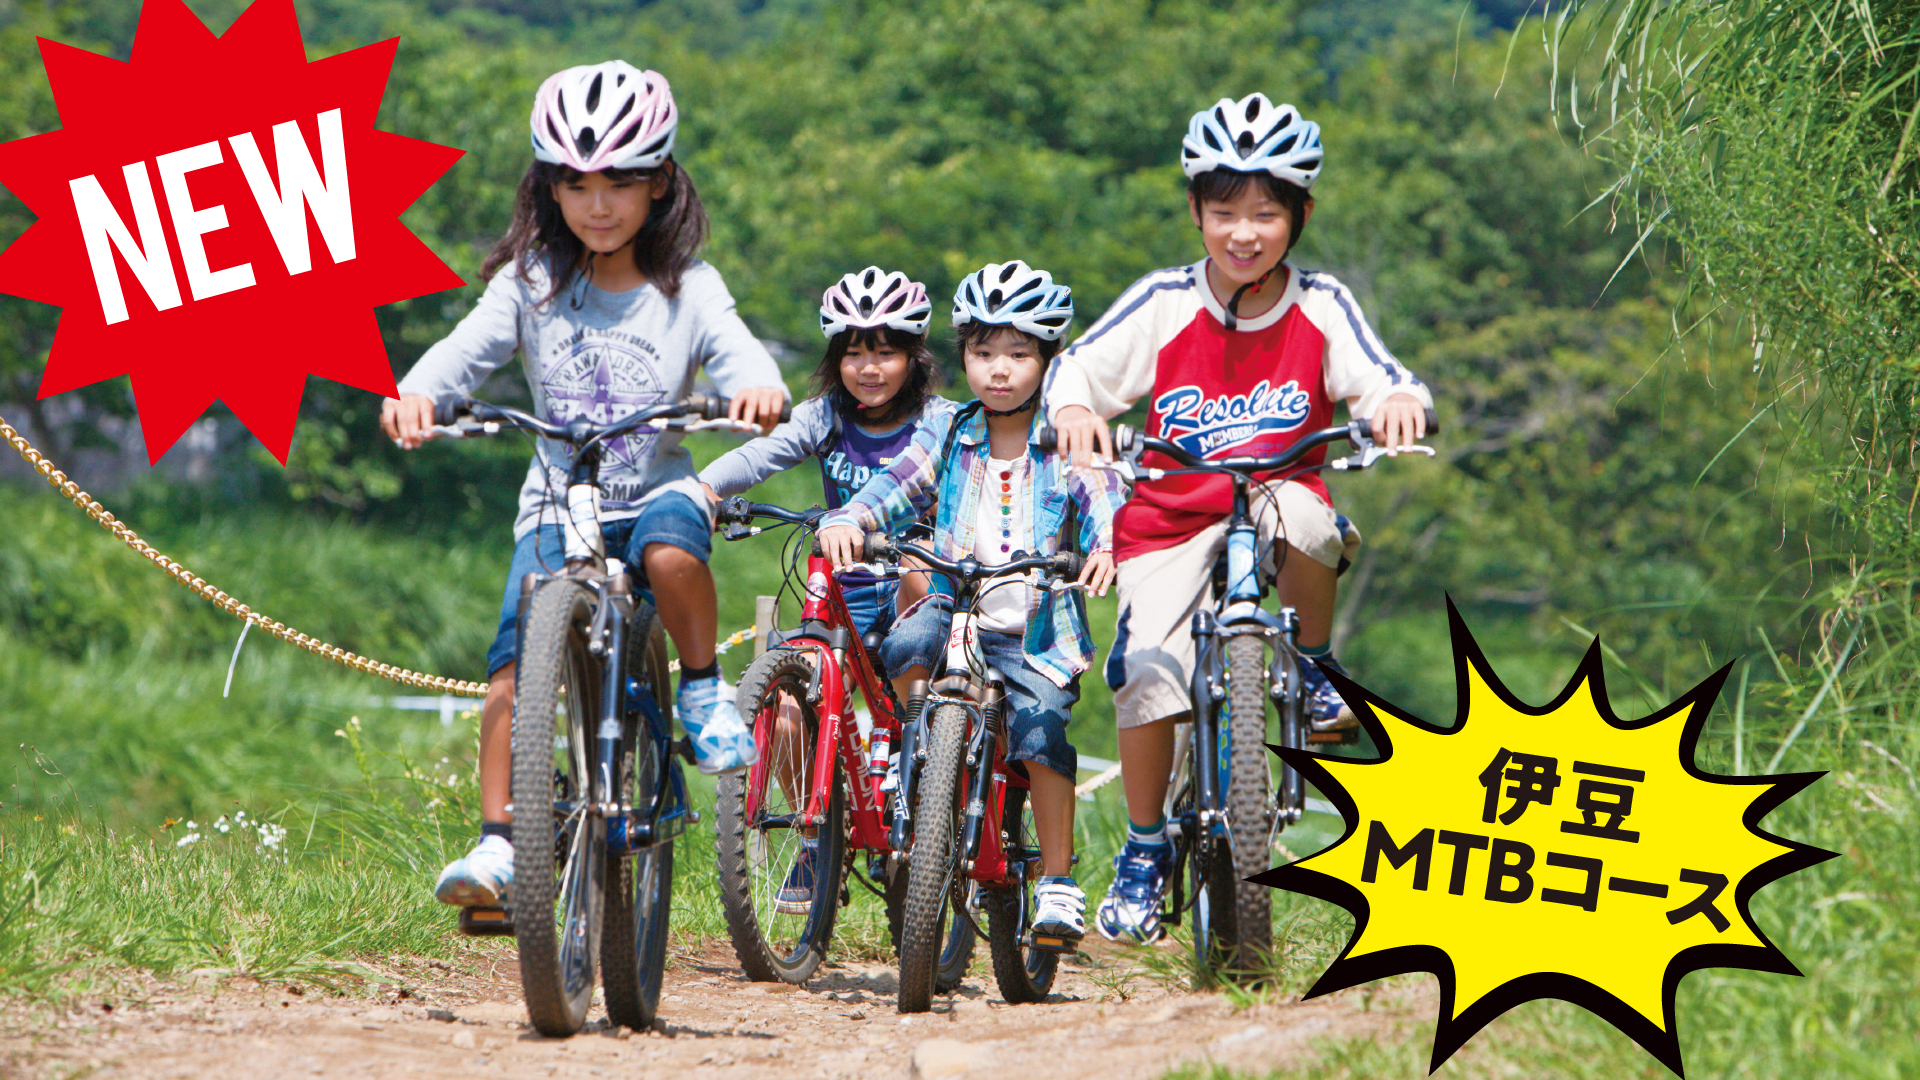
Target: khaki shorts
(1150, 666)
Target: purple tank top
(846, 468)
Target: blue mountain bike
(593, 749)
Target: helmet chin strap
(1032, 399)
(1233, 305)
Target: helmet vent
(587, 141)
(1244, 143)
(1286, 144)
(866, 307)
(1253, 108)
(995, 299)
(593, 93)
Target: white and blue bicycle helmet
(1253, 135)
(1014, 294)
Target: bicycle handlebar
(968, 570)
(581, 431)
(736, 510)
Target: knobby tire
(1250, 806)
(772, 946)
(931, 870)
(633, 942)
(1025, 975)
(558, 859)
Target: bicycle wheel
(560, 853)
(957, 938)
(1249, 804)
(633, 942)
(1025, 974)
(758, 853)
(931, 869)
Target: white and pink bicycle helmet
(874, 298)
(1253, 135)
(604, 116)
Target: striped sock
(1152, 836)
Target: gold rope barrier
(234, 607)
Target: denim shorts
(1037, 710)
(670, 519)
(871, 606)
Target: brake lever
(1371, 453)
(882, 571)
(737, 530)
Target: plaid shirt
(1057, 642)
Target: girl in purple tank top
(875, 388)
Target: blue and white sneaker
(481, 878)
(1325, 707)
(721, 741)
(1060, 914)
(796, 895)
(1131, 910)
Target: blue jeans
(1037, 711)
(670, 519)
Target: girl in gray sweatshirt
(597, 287)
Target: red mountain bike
(798, 696)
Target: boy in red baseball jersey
(1238, 354)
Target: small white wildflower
(190, 838)
(192, 825)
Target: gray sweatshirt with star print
(600, 355)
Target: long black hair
(663, 249)
(922, 372)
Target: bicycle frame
(629, 828)
(826, 630)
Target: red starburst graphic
(218, 218)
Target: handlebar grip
(1071, 563)
(1124, 438)
(715, 407)
(1046, 438)
(1433, 424)
(878, 546)
(447, 413)
(733, 508)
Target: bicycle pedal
(684, 748)
(486, 922)
(1052, 943)
(1338, 737)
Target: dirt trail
(447, 1022)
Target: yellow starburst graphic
(1545, 852)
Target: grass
(122, 728)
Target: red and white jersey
(1250, 391)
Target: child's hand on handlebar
(1080, 434)
(408, 420)
(1400, 422)
(843, 545)
(759, 405)
(1097, 573)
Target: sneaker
(796, 896)
(480, 879)
(1325, 708)
(721, 742)
(1132, 907)
(1060, 914)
